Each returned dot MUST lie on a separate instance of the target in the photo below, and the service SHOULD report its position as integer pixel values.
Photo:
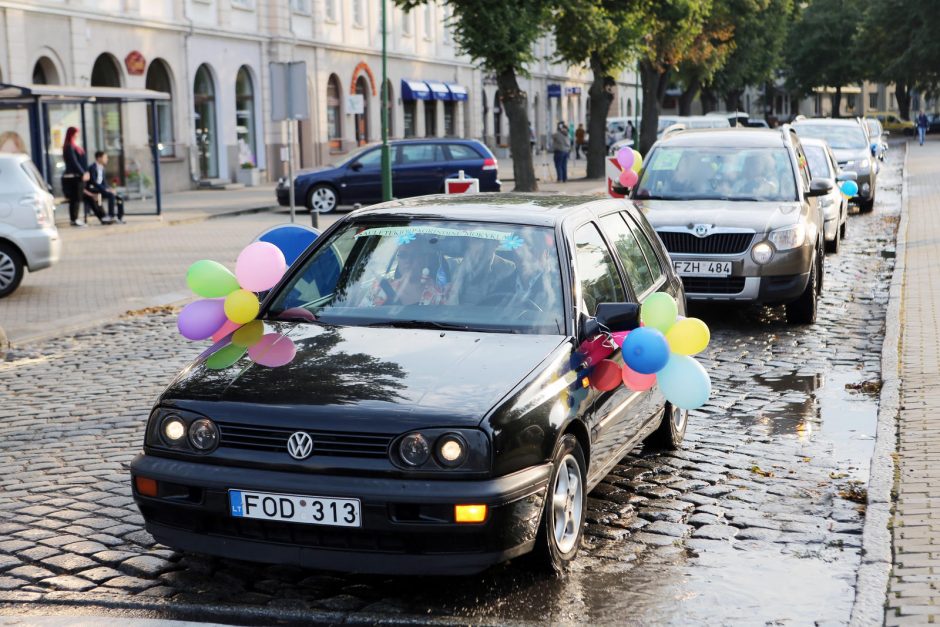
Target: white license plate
(312, 510)
(702, 268)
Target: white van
(28, 236)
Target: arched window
(204, 121)
(629, 107)
(106, 72)
(391, 107)
(334, 116)
(362, 119)
(245, 117)
(45, 73)
(105, 132)
(158, 79)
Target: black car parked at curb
(437, 416)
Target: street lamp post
(386, 163)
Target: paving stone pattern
(756, 519)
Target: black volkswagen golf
(434, 412)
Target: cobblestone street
(758, 519)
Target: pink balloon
(625, 157)
(273, 350)
(636, 381)
(628, 178)
(199, 320)
(260, 266)
(619, 337)
(595, 350)
(225, 329)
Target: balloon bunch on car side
(658, 352)
(631, 161)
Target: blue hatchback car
(419, 167)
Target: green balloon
(659, 311)
(225, 357)
(210, 279)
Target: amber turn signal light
(469, 513)
(146, 486)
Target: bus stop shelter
(36, 101)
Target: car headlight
(180, 430)
(173, 429)
(437, 449)
(203, 435)
(762, 252)
(414, 449)
(788, 237)
(859, 165)
(451, 450)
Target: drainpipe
(193, 175)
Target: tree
(604, 35)
(708, 52)
(500, 35)
(822, 48)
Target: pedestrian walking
(76, 173)
(628, 134)
(561, 148)
(579, 141)
(922, 124)
(98, 184)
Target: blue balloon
(646, 350)
(292, 239)
(849, 188)
(684, 382)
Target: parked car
(756, 123)
(737, 211)
(850, 143)
(432, 427)
(671, 123)
(28, 235)
(735, 118)
(835, 207)
(893, 123)
(933, 120)
(419, 167)
(876, 135)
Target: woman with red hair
(76, 174)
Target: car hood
(317, 170)
(851, 154)
(347, 375)
(760, 216)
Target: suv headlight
(176, 430)
(762, 253)
(859, 165)
(788, 237)
(463, 450)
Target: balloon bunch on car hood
(658, 352)
(230, 305)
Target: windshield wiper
(431, 324)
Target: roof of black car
(541, 209)
(735, 136)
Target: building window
(445, 22)
(334, 119)
(428, 24)
(247, 5)
(430, 118)
(409, 109)
(362, 119)
(873, 101)
(450, 108)
(245, 117)
(158, 79)
(45, 73)
(205, 123)
(629, 107)
(357, 17)
(850, 102)
(406, 18)
(300, 6)
(330, 10)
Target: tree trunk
(903, 95)
(597, 125)
(688, 96)
(654, 88)
(709, 100)
(733, 100)
(837, 102)
(515, 105)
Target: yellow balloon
(248, 335)
(688, 337)
(241, 306)
(637, 161)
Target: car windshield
(818, 162)
(839, 136)
(726, 173)
(430, 273)
(349, 158)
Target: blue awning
(439, 90)
(458, 92)
(414, 90)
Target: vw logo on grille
(701, 230)
(300, 445)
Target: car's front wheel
(322, 199)
(866, 206)
(11, 269)
(803, 309)
(833, 246)
(671, 430)
(565, 506)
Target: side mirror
(847, 175)
(819, 187)
(612, 317)
(886, 133)
(355, 166)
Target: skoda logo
(300, 445)
(700, 230)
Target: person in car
(414, 281)
(758, 176)
(690, 178)
(481, 274)
(533, 285)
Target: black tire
(821, 272)
(670, 432)
(803, 309)
(319, 199)
(548, 556)
(842, 229)
(833, 246)
(866, 206)
(11, 269)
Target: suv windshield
(430, 273)
(839, 136)
(726, 173)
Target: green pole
(386, 161)
(636, 108)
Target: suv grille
(335, 443)
(716, 244)
(702, 285)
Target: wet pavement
(758, 519)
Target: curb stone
(871, 588)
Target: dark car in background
(437, 415)
(851, 145)
(419, 168)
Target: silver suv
(738, 213)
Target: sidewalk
(914, 587)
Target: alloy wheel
(323, 200)
(566, 504)
(679, 418)
(7, 270)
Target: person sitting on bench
(98, 184)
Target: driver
(690, 176)
(757, 176)
(481, 273)
(413, 281)
(532, 283)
